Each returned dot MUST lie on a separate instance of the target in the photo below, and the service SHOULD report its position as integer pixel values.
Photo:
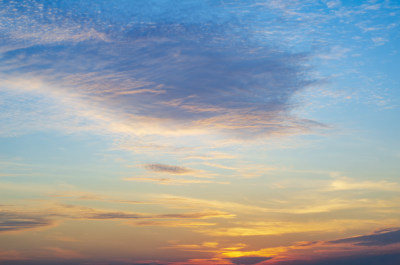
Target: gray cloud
(74, 262)
(127, 215)
(381, 238)
(358, 259)
(210, 73)
(173, 181)
(248, 260)
(114, 215)
(198, 215)
(12, 221)
(161, 168)
(81, 212)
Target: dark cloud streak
(248, 260)
(382, 238)
(362, 259)
(161, 168)
(14, 222)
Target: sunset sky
(200, 132)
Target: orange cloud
(168, 223)
(11, 255)
(64, 253)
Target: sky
(199, 132)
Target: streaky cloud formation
(172, 181)
(248, 260)
(167, 169)
(363, 259)
(48, 216)
(381, 238)
(16, 222)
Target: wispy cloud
(52, 214)
(173, 181)
(345, 183)
(200, 215)
(356, 258)
(175, 78)
(82, 212)
(262, 228)
(30, 27)
(380, 238)
(62, 253)
(174, 223)
(11, 255)
(161, 168)
(248, 260)
(11, 221)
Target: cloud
(174, 170)
(180, 76)
(221, 70)
(10, 255)
(371, 6)
(173, 181)
(203, 262)
(108, 215)
(174, 223)
(113, 215)
(15, 222)
(61, 261)
(199, 215)
(345, 183)
(211, 156)
(381, 238)
(303, 206)
(248, 260)
(64, 253)
(82, 212)
(356, 259)
(263, 228)
(379, 40)
(174, 201)
(50, 214)
(161, 168)
(335, 53)
(203, 247)
(32, 28)
(333, 4)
